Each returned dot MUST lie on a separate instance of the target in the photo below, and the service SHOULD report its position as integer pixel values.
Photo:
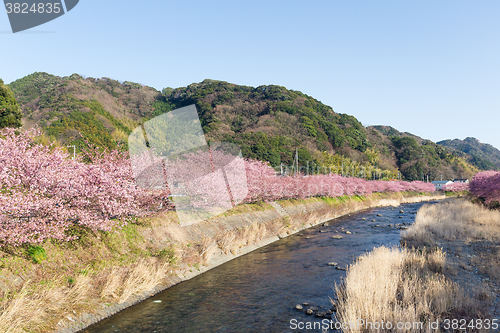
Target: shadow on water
(258, 291)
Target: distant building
(460, 181)
(438, 184)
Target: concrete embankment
(208, 244)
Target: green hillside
(10, 112)
(416, 156)
(482, 155)
(104, 111)
(270, 123)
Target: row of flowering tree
(43, 191)
(265, 185)
(456, 187)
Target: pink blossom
(456, 187)
(486, 185)
(43, 191)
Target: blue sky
(431, 68)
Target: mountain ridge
(270, 123)
(482, 153)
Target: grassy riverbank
(448, 269)
(61, 284)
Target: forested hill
(484, 155)
(480, 155)
(105, 111)
(268, 122)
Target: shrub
(36, 253)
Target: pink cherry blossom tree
(43, 191)
(486, 185)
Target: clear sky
(431, 68)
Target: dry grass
(398, 285)
(19, 311)
(226, 243)
(207, 249)
(255, 233)
(389, 202)
(470, 233)
(232, 241)
(248, 208)
(453, 220)
(422, 285)
(142, 277)
(35, 307)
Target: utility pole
(297, 159)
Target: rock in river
(321, 314)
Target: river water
(258, 291)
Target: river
(258, 291)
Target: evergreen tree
(10, 112)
